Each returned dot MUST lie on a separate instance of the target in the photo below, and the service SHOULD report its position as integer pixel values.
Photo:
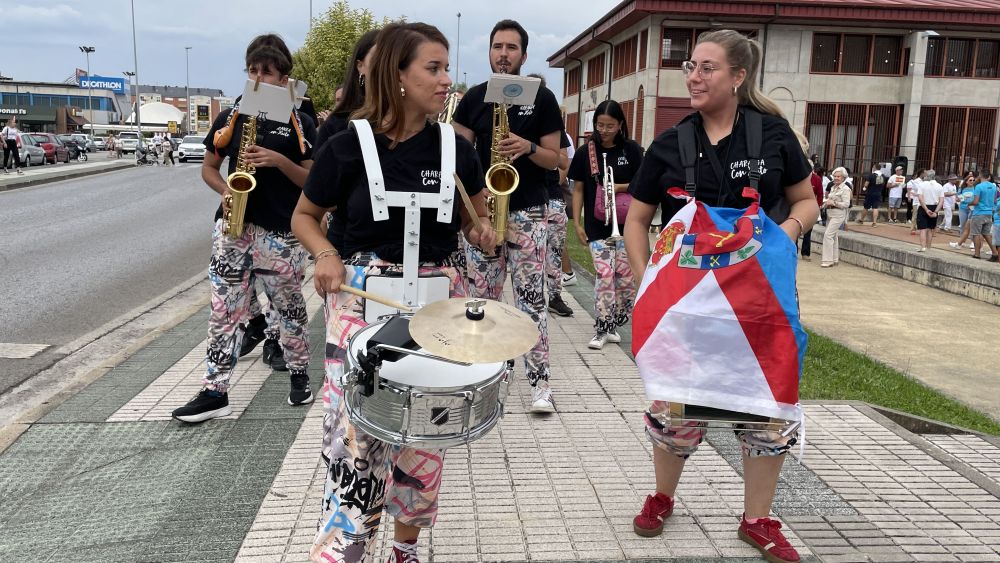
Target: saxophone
(241, 183)
(501, 177)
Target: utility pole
(458, 46)
(135, 58)
(187, 87)
(90, 88)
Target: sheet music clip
(266, 101)
(512, 90)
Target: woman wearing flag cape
(716, 317)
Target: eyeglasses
(606, 128)
(704, 70)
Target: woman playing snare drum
(408, 81)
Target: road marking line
(14, 351)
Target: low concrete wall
(954, 273)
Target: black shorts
(873, 200)
(925, 221)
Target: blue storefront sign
(116, 85)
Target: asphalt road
(77, 254)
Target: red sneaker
(657, 508)
(403, 552)
(766, 536)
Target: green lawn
(834, 372)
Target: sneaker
(970, 245)
(20, 172)
(994, 258)
(273, 356)
(300, 393)
(598, 341)
(569, 279)
(403, 552)
(559, 307)
(953, 244)
(614, 337)
(205, 405)
(541, 398)
(655, 510)
(922, 249)
(766, 536)
(806, 259)
(253, 334)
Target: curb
(47, 179)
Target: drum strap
(411, 202)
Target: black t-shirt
(552, 176)
(874, 184)
(528, 122)
(784, 165)
(334, 124)
(625, 159)
(338, 178)
(271, 203)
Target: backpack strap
(755, 136)
(688, 146)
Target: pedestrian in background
(817, 186)
(929, 196)
(168, 151)
(895, 183)
(836, 204)
(873, 195)
(947, 215)
(9, 136)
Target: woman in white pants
(836, 203)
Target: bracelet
(327, 252)
(802, 228)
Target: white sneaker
(541, 398)
(569, 279)
(971, 246)
(614, 337)
(598, 341)
(953, 244)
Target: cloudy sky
(42, 36)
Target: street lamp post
(458, 45)
(187, 87)
(135, 92)
(135, 73)
(90, 88)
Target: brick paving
(107, 477)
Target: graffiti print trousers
(277, 260)
(273, 330)
(555, 243)
(365, 475)
(524, 254)
(614, 285)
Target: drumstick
(376, 298)
(471, 209)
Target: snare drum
(422, 402)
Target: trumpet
(610, 209)
(450, 104)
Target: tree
(322, 61)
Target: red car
(55, 150)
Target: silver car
(30, 151)
(191, 147)
(128, 141)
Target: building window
(572, 85)
(676, 47)
(595, 70)
(955, 140)
(643, 48)
(857, 54)
(962, 58)
(853, 135)
(624, 58)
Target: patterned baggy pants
(524, 253)
(277, 260)
(273, 330)
(614, 285)
(366, 475)
(556, 242)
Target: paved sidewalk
(107, 476)
(97, 164)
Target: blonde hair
(744, 53)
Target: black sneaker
(300, 394)
(273, 356)
(204, 406)
(559, 307)
(253, 334)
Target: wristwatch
(534, 149)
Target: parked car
(55, 150)
(191, 147)
(29, 150)
(99, 143)
(128, 141)
(72, 145)
(85, 141)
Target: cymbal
(450, 329)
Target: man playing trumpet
(281, 155)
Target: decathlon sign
(116, 85)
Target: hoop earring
(402, 91)
(734, 89)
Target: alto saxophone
(241, 183)
(501, 177)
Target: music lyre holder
(713, 417)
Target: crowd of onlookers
(920, 201)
